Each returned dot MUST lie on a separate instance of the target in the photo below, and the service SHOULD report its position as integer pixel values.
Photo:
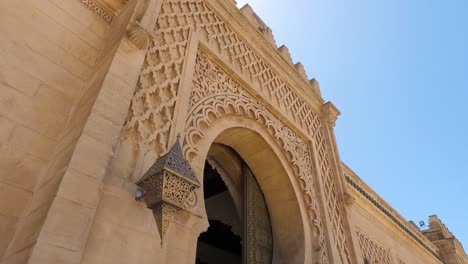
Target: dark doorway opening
(222, 240)
(240, 229)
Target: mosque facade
(177, 131)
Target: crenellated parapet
(283, 50)
(258, 23)
(451, 250)
(436, 225)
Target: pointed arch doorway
(240, 227)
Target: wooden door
(257, 228)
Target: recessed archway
(240, 227)
(274, 174)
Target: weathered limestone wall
(109, 225)
(54, 56)
(377, 236)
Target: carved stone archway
(226, 113)
(165, 104)
(288, 212)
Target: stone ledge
(390, 215)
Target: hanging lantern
(167, 185)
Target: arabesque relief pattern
(373, 252)
(216, 94)
(153, 105)
(330, 191)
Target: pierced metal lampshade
(167, 185)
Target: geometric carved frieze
(372, 252)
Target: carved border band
(99, 10)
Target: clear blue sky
(398, 72)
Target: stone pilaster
(67, 226)
(328, 116)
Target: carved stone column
(328, 118)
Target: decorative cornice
(381, 208)
(329, 113)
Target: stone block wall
(67, 173)
(380, 233)
(54, 56)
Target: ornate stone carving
(330, 190)
(217, 94)
(163, 65)
(167, 186)
(99, 10)
(106, 9)
(151, 114)
(373, 252)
